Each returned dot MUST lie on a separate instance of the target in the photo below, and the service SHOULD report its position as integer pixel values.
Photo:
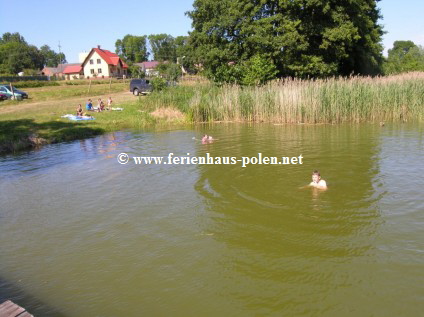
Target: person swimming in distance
(317, 182)
(207, 139)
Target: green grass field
(28, 123)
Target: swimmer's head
(316, 176)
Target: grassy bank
(35, 126)
(79, 82)
(357, 99)
(30, 123)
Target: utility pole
(60, 56)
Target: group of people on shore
(89, 107)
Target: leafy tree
(255, 71)
(185, 56)
(163, 47)
(132, 48)
(170, 71)
(12, 37)
(258, 71)
(51, 58)
(135, 71)
(226, 73)
(301, 37)
(403, 57)
(30, 72)
(181, 46)
(61, 58)
(16, 54)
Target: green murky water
(81, 235)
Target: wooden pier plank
(10, 309)
(25, 314)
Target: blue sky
(81, 25)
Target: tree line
(251, 42)
(17, 55)
(159, 47)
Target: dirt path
(28, 106)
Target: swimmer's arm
(306, 186)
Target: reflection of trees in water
(260, 208)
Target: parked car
(140, 86)
(19, 94)
(3, 97)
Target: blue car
(19, 94)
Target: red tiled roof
(109, 57)
(72, 69)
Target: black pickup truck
(140, 86)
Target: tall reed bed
(334, 100)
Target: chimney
(98, 46)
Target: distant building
(49, 71)
(149, 68)
(104, 64)
(73, 72)
(98, 63)
(57, 71)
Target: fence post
(110, 84)
(13, 93)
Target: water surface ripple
(81, 235)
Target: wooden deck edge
(10, 309)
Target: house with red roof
(59, 70)
(101, 63)
(73, 72)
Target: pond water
(82, 235)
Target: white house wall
(103, 66)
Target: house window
(99, 61)
(92, 71)
(91, 62)
(99, 71)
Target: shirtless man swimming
(317, 182)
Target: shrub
(32, 84)
(258, 70)
(158, 84)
